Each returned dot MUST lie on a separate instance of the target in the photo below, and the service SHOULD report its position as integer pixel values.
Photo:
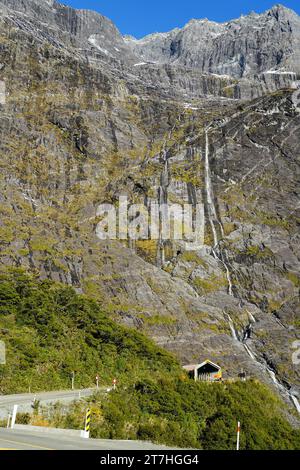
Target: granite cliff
(206, 114)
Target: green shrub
(50, 331)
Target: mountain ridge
(95, 38)
(86, 23)
(199, 43)
(83, 122)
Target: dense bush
(50, 331)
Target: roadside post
(115, 384)
(86, 433)
(14, 416)
(73, 380)
(97, 381)
(8, 420)
(238, 436)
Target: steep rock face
(80, 127)
(239, 48)
(244, 58)
(83, 30)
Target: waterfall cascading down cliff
(213, 219)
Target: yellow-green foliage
(294, 278)
(6, 235)
(147, 249)
(274, 305)
(192, 257)
(272, 221)
(228, 91)
(207, 286)
(188, 173)
(229, 227)
(158, 320)
(43, 244)
(259, 252)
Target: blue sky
(141, 17)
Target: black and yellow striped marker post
(86, 433)
(88, 420)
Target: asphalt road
(11, 439)
(25, 400)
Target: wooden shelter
(207, 371)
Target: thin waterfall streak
(231, 326)
(212, 215)
(250, 353)
(274, 379)
(230, 289)
(295, 402)
(251, 317)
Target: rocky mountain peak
(279, 10)
(244, 47)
